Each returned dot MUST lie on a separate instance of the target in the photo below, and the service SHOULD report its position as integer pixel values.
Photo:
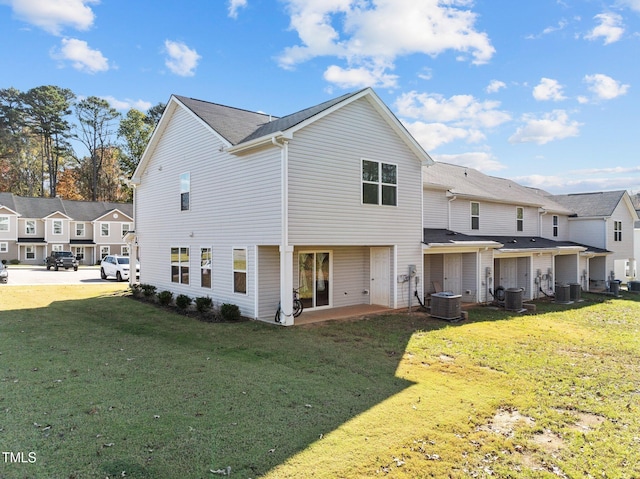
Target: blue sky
(546, 92)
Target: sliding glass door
(314, 278)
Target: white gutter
(451, 200)
(542, 213)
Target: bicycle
(297, 307)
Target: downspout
(542, 213)
(451, 200)
(286, 250)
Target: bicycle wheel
(297, 308)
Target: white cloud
(547, 31)
(433, 135)
(460, 110)
(367, 34)
(127, 104)
(558, 184)
(181, 59)
(548, 89)
(81, 56)
(605, 87)
(632, 4)
(53, 15)
(610, 28)
(359, 77)
(478, 160)
(552, 126)
(495, 86)
(234, 6)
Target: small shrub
(230, 312)
(13, 261)
(136, 290)
(165, 298)
(203, 304)
(148, 290)
(183, 301)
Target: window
(104, 229)
(124, 251)
(57, 247)
(555, 225)
(57, 227)
(475, 216)
(185, 187)
(80, 229)
(180, 265)
(30, 227)
(4, 247)
(29, 252)
(240, 270)
(205, 267)
(617, 231)
(104, 251)
(79, 252)
(4, 223)
(125, 228)
(379, 183)
(519, 219)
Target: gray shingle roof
(596, 204)
(30, 207)
(464, 181)
(239, 126)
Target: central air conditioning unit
(513, 299)
(634, 286)
(575, 292)
(563, 294)
(446, 305)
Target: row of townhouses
(31, 228)
(340, 202)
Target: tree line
(38, 129)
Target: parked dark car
(62, 259)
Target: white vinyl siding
(496, 219)
(242, 193)
(436, 207)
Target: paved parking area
(24, 275)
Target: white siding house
(243, 208)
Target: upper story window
(519, 218)
(125, 228)
(30, 227)
(4, 223)
(617, 231)
(555, 225)
(79, 229)
(104, 229)
(475, 215)
(57, 227)
(185, 188)
(379, 183)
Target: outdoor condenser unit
(513, 299)
(446, 305)
(563, 293)
(634, 286)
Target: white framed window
(29, 252)
(124, 251)
(240, 270)
(4, 223)
(617, 231)
(57, 247)
(80, 229)
(185, 190)
(104, 251)
(556, 225)
(206, 267)
(126, 227)
(104, 229)
(56, 227)
(79, 252)
(30, 227)
(475, 215)
(519, 218)
(4, 247)
(379, 183)
(180, 265)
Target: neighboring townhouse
(606, 220)
(243, 207)
(484, 233)
(30, 228)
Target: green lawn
(94, 384)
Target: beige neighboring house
(31, 228)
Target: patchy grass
(97, 385)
